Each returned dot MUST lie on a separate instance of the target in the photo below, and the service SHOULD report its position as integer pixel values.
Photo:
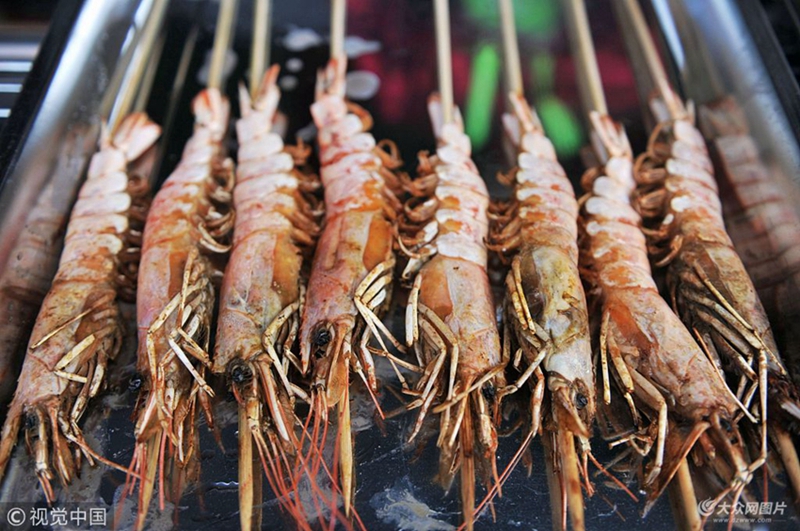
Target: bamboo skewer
(683, 499)
(444, 58)
(698, 68)
(338, 18)
(175, 96)
(143, 96)
(138, 68)
(513, 66)
(632, 20)
(590, 82)
(222, 40)
(259, 52)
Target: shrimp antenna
(444, 58)
(136, 74)
(580, 36)
(222, 41)
(513, 65)
(643, 51)
(259, 53)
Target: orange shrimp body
(351, 275)
(450, 319)
(27, 277)
(541, 234)
(762, 221)
(176, 296)
(656, 362)
(262, 290)
(545, 306)
(78, 329)
(709, 286)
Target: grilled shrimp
(176, 298)
(660, 370)
(78, 328)
(708, 284)
(761, 219)
(545, 304)
(33, 260)
(450, 318)
(351, 276)
(261, 295)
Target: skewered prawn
(545, 304)
(761, 220)
(78, 329)
(24, 284)
(351, 276)
(176, 298)
(450, 318)
(708, 284)
(261, 295)
(656, 362)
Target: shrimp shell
(261, 296)
(351, 275)
(78, 328)
(761, 219)
(450, 320)
(708, 283)
(655, 359)
(545, 305)
(176, 299)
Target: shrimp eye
(322, 337)
(489, 392)
(240, 373)
(726, 425)
(135, 383)
(30, 422)
(581, 401)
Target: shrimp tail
(331, 79)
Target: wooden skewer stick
(444, 58)
(338, 17)
(632, 18)
(222, 40)
(698, 69)
(513, 65)
(175, 97)
(259, 53)
(142, 57)
(683, 499)
(580, 36)
(149, 76)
